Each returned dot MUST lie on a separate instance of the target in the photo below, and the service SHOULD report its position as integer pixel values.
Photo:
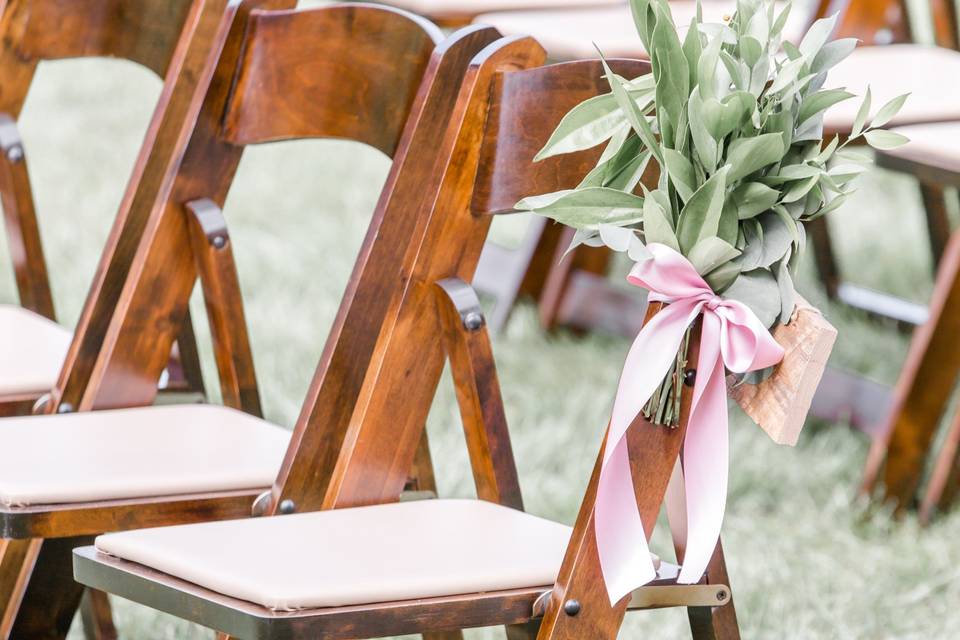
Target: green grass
(805, 562)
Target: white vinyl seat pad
(473, 7)
(570, 34)
(364, 555)
(936, 145)
(136, 453)
(927, 73)
(32, 351)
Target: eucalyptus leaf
(705, 145)
(777, 238)
(752, 198)
(722, 118)
(832, 54)
(723, 276)
(861, 117)
(747, 155)
(700, 217)
(888, 111)
(709, 253)
(681, 173)
(588, 207)
(820, 102)
(657, 226)
(881, 139)
(758, 290)
(817, 36)
(588, 124)
(632, 112)
(787, 291)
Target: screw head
(473, 321)
(689, 377)
(721, 595)
(65, 407)
(15, 153)
(571, 607)
(287, 507)
(219, 242)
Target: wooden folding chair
(898, 460)
(154, 34)
(278, 75)
(445, 564)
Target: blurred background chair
(457, 13)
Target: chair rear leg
(826, 260)
(51, 598)
(942, 488)
(938, 224)
(96, 615)
(524, 631)
(715, 623)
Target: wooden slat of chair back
(144, 32)
(525, 108)
(872, 21)
(297, 80)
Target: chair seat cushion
(570, 34)
(473, 7)
(933, 145)
(136, 453)
(893, 70)
(364, 555)
(32, 351)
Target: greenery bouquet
(733, 117)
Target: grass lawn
(805, 561)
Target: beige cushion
(136, 453)
(473, 7)
(365, 555)
(928, 73)
(936, 145)
(570, 34)
(32, 350)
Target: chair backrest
(880, 22)
(363, 72)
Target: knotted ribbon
(732, 337)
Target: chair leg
(899, 453)
(16, 562)
(594, 260)
(51, 598)
(96, 615)
(938, 224)
(524, 631)
(715, 623)
(827, 268)
(942, 488)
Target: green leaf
(787, 75)
(861, 117)
(787, 291)
(777, 238)
(589, 207)
(747, 155)
(671, 71)
(723, 276)
(722, 118)
(882, 139)
(800, 189)
(700, 217)
(641, 17)
(817, 36)
(585, 126)
(704, 144)
(633, 113)
(752, 199)
(681, 173)
(832, 54)
(758, 290)
(781, 20)
(710, 253)
(888, 111)
(820, 102)
(750, 50)
(707, 68)
(692, 48)
(657, 226)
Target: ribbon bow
(733, 337)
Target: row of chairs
(461, 117)
(901, 422)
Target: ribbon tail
(705, 457)
(676, 503)
(621, 540)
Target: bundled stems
(663, 407)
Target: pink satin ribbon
(732, 337)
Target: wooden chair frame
(155, 36)
(488, 149)
(38, 536)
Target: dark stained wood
(468, 347)
(941, 490)
(559, 303)
(713, 623)
(897, 458)
(217, 269)
(96, 617)
(23, 231)
(17, 558)
(938, 223)
(874, 22)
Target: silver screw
(287, 507)
(65, 407)
(473, 321)
(15, 153)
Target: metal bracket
(10, 141)
(261, 504)
(465, 299)
(659, 597)
(210, 218)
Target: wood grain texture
(779, 404)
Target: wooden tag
(779, 404)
